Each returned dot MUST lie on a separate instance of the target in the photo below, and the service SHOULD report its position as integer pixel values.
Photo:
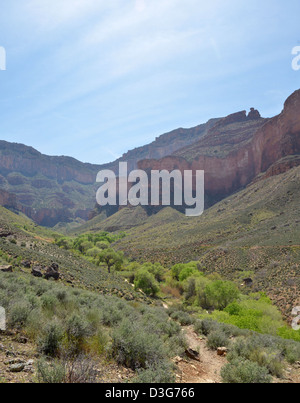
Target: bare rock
(37, 272)
(222, 351)
(6, 269)
(26, 264)
(17, 367)
(192, 354)
(52, 272)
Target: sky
(92, 79)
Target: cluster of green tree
(146, 277)
(214, 297)
(97, 248)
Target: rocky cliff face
(164, 145)
(263, 151)
(8, 200)
(50, 190)
(46, 189)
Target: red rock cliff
(275, 140)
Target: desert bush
(206, 326)
(217, 339)
(77, 331)
(135, 348)
(261, 350)
(291, 351)
(18, 314)
(172, 291)
(67, 370)
(162, 373)
(50, 372)
(243, 371)
(183, 318)
(49, 342)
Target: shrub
(183, 318)
(217, 339)
(263, 350)
(77, 330)
(18, 314)
(291, 351)
(162, 373)
(135, 348)
(206, 326)
(50, 373)
(50, 341)
(67, 370)
(244, 372)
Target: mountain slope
(22, 240)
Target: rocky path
(207, 370)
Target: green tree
(146, 282)
(220, 294)
(94, 252)
(156, 269)
(111, 258)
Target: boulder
(54, 266)
(192, 354)
(52, 273)
(6, 269)
(37, 271)
(17, 367)
(26, 264)
(222, 351)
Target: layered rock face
(164, 145)
(8, 200)
(47, 189)
(265, 151)
(50, 190)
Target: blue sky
(94, 78)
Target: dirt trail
(210, 365)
